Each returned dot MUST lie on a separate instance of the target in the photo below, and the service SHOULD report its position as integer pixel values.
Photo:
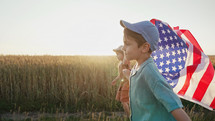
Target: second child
(123, 76)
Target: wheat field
(72, 82)
(50, 84)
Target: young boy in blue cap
(151, 97)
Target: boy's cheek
(126, 49)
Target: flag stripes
(195, 81)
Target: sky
(91, 27)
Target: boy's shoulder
(147, 68)
(150, 70)
(148, 65)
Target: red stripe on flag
(179, 33)
(213, 104)
(191, 70)
(153, 21)
(189, 36)
(204, 83)
(196, 56)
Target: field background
(66, 88)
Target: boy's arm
(180, 115)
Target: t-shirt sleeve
(164, 93)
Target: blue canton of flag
(171, 54)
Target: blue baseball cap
(145, 28)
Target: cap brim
(122, 23)
(128, 26)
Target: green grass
(93, 116)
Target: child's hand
(113, 82)
(126, 73)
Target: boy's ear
(146, 47)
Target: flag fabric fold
(182, 62)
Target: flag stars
(174, 68)
(167, 54)
(184, 58)
(183, 51)
(168, 78)
(178, 52)
(173, 61)
(155, 57)
(163, 31)
(161, 56)
(170, 38)
(172, 46)
(172, 84)
(173, 53)
(159, 40)
(170, 56)
(165, 39)
(161, 64)
(160, 48)
(171, 75)
(160, 70)
(167, 47)
(168, 62)
(177, 44)
(180, 67)
(179, 59)
(167, 69)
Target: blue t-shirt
(151, 97)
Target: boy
(151, 97)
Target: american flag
(183, 64)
